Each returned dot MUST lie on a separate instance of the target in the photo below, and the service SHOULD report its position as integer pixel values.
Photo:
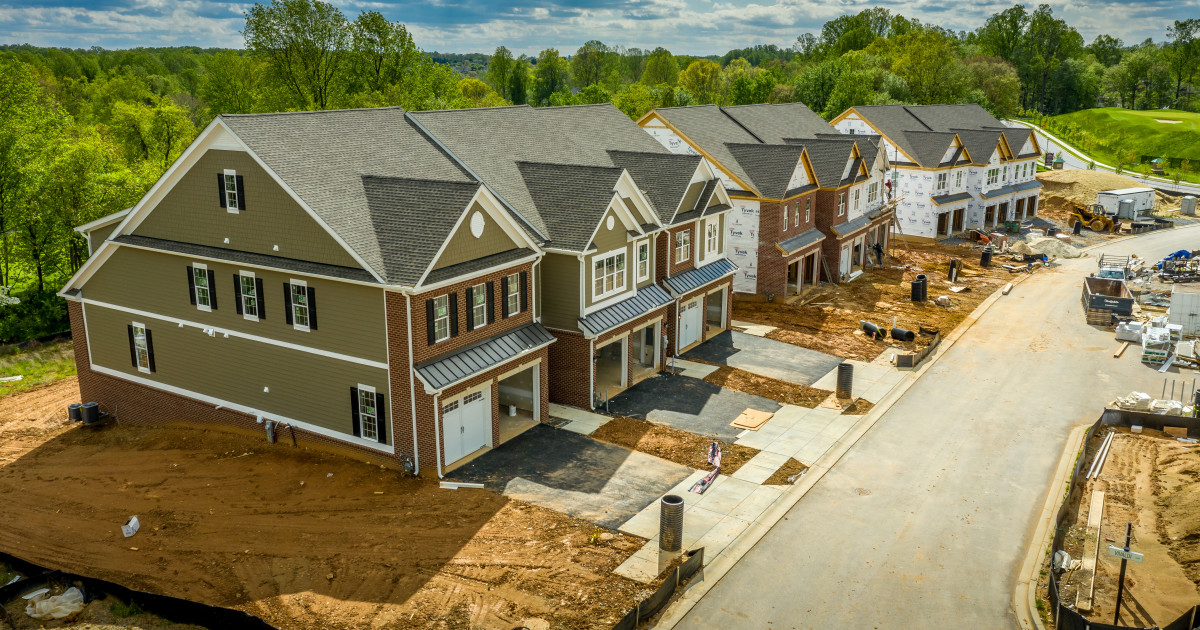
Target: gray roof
(771, 123)
(322, 156)
(997, 192)
(662, 177)
(460, 365)
(247, 258)
(647, 299)
(947, 199)
(471, 267)
(828, 157)
(904, 126)
(802, 240)
(849, 227)
(584, 190)
(928, 147)
(769, 166)
(711, 129)
(1029, 185)
(693, 279)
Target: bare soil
(106, 613)
(1152, 481)
(300, 538)
(767, 387)
(791, 468)
(860, 407)
(827, 318)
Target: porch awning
(1030, 185)
(849, 227)
(692, 279)
(647, 299)
(997, 192)
(949, 199)
(804, 239)
(444, 371)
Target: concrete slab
(758, 330)
(693, 369)
(689, 404)
(720, 536)
(753, 473)
(767, 357)
(754, 505)
(646, 563)
(570, 473)
(565, 412)
(725, 498)
(586, 426)
(697, 521)
(757, 440)
(768, 460)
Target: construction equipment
(1092, 216)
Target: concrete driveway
(767, 357)
(572, 473)
(688, 403)
(925, 522)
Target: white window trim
(242, 296)
(362, 426)
(616, 289)
(857, 199)
(514, 290)
(943, 181)
(841, 204)
(231, 209)
(299, 283)
(207, 308)
(796, 215)
(711, 250)
(807, 210)
(872, 192)
(785, 218)
(475, 294)
(637, 255)
(444, 296)
(676, 247)
(137, 325)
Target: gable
(950, 151)
(607, 239)
(272, 223)
(1027, 148)
(799, 176)
(477, 235)
(667, 137)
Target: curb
(723, 563)
(1025, 591)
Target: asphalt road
(925, 522)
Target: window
(796, 215)
(300, 305)
(683, 246)
(202, 296)
(958, 180)
(478, 305)
(441, 318)
(231, 190)
(139, 345)
(941, 182)
(248, 292)
(608, 274)
(857, 199)
(785, 220)
(872, 192)
(807, 210)
(993, 175)
(368, 416)
(512, 294)
(643, 261)
(841, 204)
(1006, 173)
(712, 237)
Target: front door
(845, 266)
(466, 425)
(943, 224)
(689, 324)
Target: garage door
(689, 324)
(467, 425)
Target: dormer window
(941, 181)
(233, 193)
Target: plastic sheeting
(69, 603)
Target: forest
(84, 133)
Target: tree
(1107, 49)
(815, 84)
(383, 53)
(635, 101)
(549, 75)
(997, 80)
(661, 68)
(518, 82)
(170, 131)
(927, 63)
(1050, 41)
(501, 65)
(702, 79)
(592, 62)
(231, 83)
(306, 43)
(1183, 51)
(479, 94)
(807, 45)
(1002, 35)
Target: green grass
(38, 364)
(121, 609)
(1108, 133)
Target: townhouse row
(456, 271)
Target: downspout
(533, 289)
(437, 432)
(412, 387)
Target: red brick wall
(400, 386)
(690, 263)
(421, 348)
(570, 361)
(772, 263)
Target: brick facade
(772, 262)
(423, 351)
(690, 263)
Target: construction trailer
(1185, 309)
(1138, 201)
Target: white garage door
(467, 425)
(689, 323)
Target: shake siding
(191, 213)
(463, 245)
(350, 317)
(302, 386)
(559, 293)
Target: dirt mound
(1050, 246)
(1080, 186)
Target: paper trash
(131, 527)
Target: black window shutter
(491, 302)
(241, 194)
(212, 289)
(260, 299)
(524, 277)
(380, 418)
(429, 321)
(287, 302)
(237, 292)
(150, 349)
(221, 188)
(191, 286)
(453, 314)
(132, 347)
(354, 427)
(312, 308)
(470, 308)
(504, 297)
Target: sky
(695, 27)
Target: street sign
(1124, 555)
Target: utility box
(1188, 206)
(1185, 309)
(1141, 202)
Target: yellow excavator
(1092, 216)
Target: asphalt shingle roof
(570, 199)
(828, 157)
(711, 129)
(907, 126)
(663, 177)
(769, 166)
(771, 123)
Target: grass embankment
(1108, 132)
(37, 364)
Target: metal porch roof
(444, 371)
(645, 300)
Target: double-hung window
(841, 204)
(683, 246)
(643, 260)
(368, 415)
(608, 274)
(958, 180)
(872, 192)
(249, 299)
(233, 198)
(941, 182)
(512, 296)
(857, 199)
(300, 307)
(202, 295)
(478, 305)
(807, 210)
(712, 237)
(785, 218)
(993, 175)
(796, 215)
(441, 318)
(140, 343)
(1006, 173)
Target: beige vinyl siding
(97, 236)
(463, 246)
(350, 317)
(191, 213)
(606, 241)
(559, 293)
(301, 386)
(650, 241)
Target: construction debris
(1048, 246)
(714, 458)
(752, 419)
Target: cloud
(527, 26)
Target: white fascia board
(425, 288)
(103, 221)
(626, 183)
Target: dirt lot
(767, 387)
(1061, 188)
(827, 317)
(106, 613)
(1153, 481)
(300, 538)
